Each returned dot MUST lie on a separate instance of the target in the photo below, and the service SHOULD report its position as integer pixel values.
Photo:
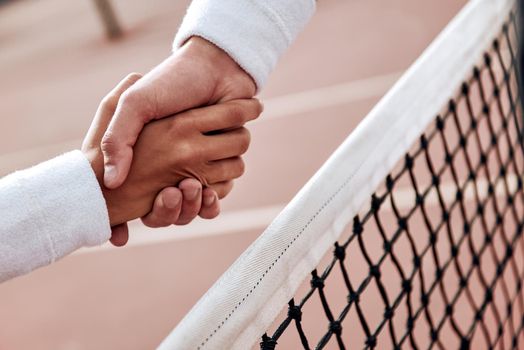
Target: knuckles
(237, 115)
(258, 108)
(109, 103)
(137, 101)
(244, 140)
(186, 153)
(243, 111)
(130, 100)
(133, 77)
(108, 143)
(224, 189)
(241, 167)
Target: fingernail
(208, 200)
(193, 194)
(169, 202)
(110, 173)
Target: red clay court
(348, 57)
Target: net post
(107, 15)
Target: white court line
(329, 96)
(225, 223)
(277, 107)
(259, 218)
(10, 162)
(405, 197)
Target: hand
(173, 205)
(196, 75)
(177, 206)
(169, 150)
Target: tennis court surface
(409, 236)
(435, 258)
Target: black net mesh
(436, 260)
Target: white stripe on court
(277, 107)
(405, 197)
(329, 96)
(10, 162)
(225, 223)
(259, 218)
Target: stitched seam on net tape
(326, 203)
(378, 145)
(399, 121)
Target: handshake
(165, 147)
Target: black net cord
(519, 28)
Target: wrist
(199, 47)
(232, 81)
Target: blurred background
(58, 58)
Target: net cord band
(243, 303)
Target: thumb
(180, 82)
(119, 235)
(121, 135)
(106, 110)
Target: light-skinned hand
(197, 74)
(203, 143)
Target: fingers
(225, 170)
(210, 204)
(110, 101)
(222, 189)
(227, 115)
(166, 208)
(117, 147)
(106, 110)
(119, 235)
(170, 202)
(121, 135)
(192, 200)
(229, 144)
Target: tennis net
(422, 208)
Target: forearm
(47, 212)
(254, 33)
